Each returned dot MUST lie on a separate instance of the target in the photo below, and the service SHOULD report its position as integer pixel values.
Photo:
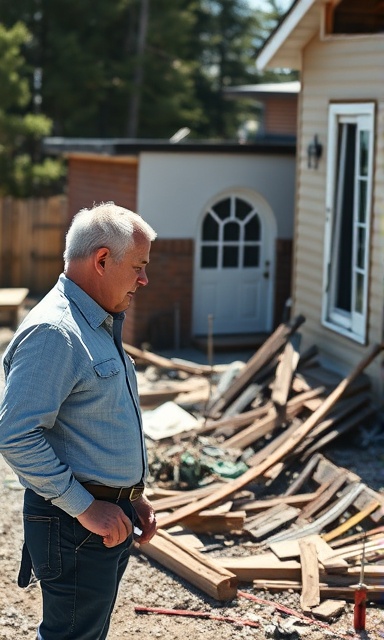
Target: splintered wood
(308, 517)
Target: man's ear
(100, 258)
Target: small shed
(223, 213)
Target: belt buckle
(136, 492)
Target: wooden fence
(32, 235)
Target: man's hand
(107, 520)
(147, 518)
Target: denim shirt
(70, 411)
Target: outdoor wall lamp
(314, 151)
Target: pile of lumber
(309, 539)
(278, 412)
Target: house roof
(276, 89)
(298, 26)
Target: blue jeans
(79, 575)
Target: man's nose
(142, 279)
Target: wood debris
(305, 516)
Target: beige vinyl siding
(337, 70)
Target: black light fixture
(314, 151)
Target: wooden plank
(290, 549)
(211, 522)
(285, 448)
(327, 470)
(352, 553)
(258, 429)
(366, 497)
(329, 609)
(351, 522)
(299, 501)
(357, 537)
(183, 497)
(187, 537)
(251, 394)
(264, 566)
(375, 592)
(166, 363)
(324, 498)
(303, 476)
(310, 594)
(329, 516)
(285, 371)
(204, 573)
(260, 526)
(353, 421)
(269, 422)
(373, 574)
(268, 350)
(224, 426)
(343, 409)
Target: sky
(258, 4)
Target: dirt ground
(150, 585)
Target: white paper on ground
(167, 420)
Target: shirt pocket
(107, 368)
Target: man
(70, 426)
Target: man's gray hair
(104, 225)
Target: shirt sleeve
(41, 372)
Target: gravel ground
(148, 584)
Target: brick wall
(96, 178)
(280, 115)
(161, 313)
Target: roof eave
(283, 47)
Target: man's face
(123, 279)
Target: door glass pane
(364, 146)
(342, 253)
(210, 228)
(242, 209)
(359, 293)
(230, 256)
(209, 257)
(223, 208)
(251, 256)
(361, 247)
(362, 201)
(252, 229)
(231, 231)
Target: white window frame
(352, 324)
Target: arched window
(230, 235)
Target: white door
(234, 267)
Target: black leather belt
(100, 491)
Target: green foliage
(21, 173)
(35, 179)
(137, 68)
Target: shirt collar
(94, 314)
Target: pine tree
(21, 171)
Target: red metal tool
(360, 598)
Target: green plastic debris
(228, 469)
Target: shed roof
(263, 90)
(282, 144)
